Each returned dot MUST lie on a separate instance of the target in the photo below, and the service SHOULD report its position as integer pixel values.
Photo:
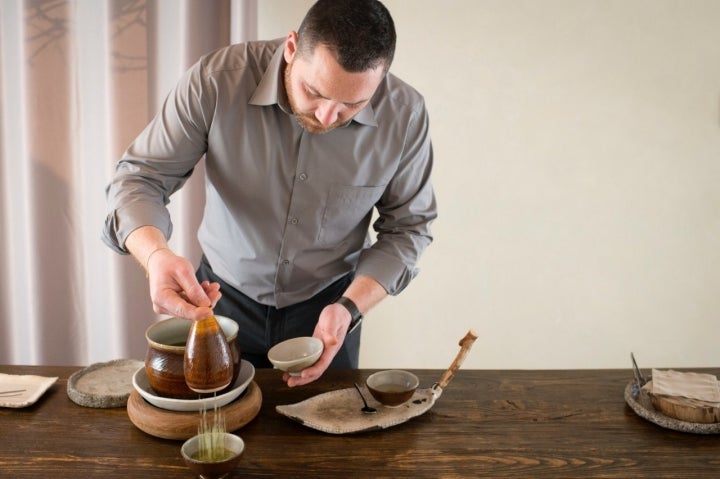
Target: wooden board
(687, 409)
(184, 425)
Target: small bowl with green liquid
(212, 455)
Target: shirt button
(294, 221)
(302, 176)
(285, 262)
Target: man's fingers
(194, 291)
(169, 302)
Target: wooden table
(493, 424)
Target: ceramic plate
(22, 391)
(103, 385)
(340, 411)
(142, 386)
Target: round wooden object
(640, 402)
(179, 425)
(687, 409)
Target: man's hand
(333, 323)
(175, 290)
(331, 329)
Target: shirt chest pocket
(347, 213)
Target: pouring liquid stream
(212, 445)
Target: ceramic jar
(208, 360)
(164, 361)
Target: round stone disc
(103, 385)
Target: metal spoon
(366, 409)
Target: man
(302, 138)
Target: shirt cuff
(390, 272)
(126, 219)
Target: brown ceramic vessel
(208, 362)
(165, 357)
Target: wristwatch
(354, 312)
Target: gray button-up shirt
(287, 212)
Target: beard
(307, 121)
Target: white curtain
(79, 79)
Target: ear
(291, 44)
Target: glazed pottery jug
(164, 361)
(208, 362)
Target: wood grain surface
(491, 424)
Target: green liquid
(214, 455)
(211, 440)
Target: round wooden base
(179, 425)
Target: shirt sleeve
(159, 161)
(405, 212)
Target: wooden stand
(687, 409)
(184, 425)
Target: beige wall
(577, 150)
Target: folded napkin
(703, 387)
(22, 390)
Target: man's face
(322, 94)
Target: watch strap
(355, 313)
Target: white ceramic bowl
(296, 354)
(142, 386)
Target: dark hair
(360, 33)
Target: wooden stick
(465, 344)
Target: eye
(354, 105)
(312, 93)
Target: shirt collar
(271, 90)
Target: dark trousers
(262, 326)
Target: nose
(327, 113)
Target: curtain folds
(79, 79)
